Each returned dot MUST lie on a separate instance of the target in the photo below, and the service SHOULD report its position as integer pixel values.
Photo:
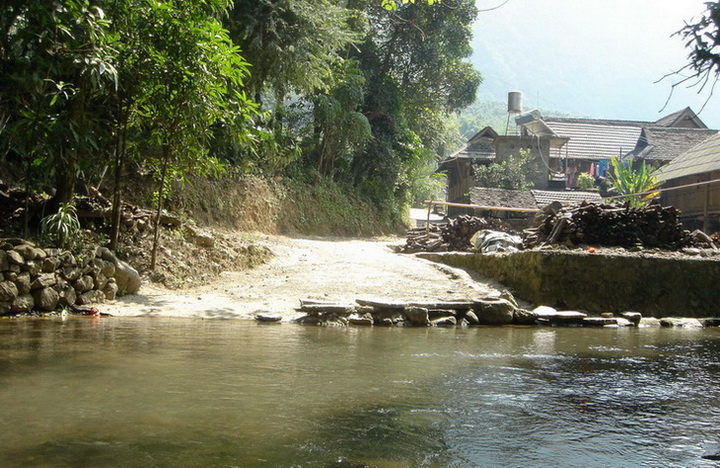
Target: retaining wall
(653, 286)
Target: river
(229, 393)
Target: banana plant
(638, 186)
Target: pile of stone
(651, 226)
(501, 310)
(452, 236)
(36, 279)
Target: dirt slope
(327, 269)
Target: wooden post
(427, 222)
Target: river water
(171, 392)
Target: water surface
(170, 392)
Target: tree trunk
(120, 144)
(161, 189)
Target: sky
(590, 58)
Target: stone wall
(38, 279)
(654, 286)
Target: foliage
(585, 181)
(62, 228)
(637, 186)
(513, 172)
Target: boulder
(524, 317)
(50, 264)
(494, 311)
(680, 322)
(417, 316)
(83, 284)
(91, 297)
(71, 273)
(110, 289)
(633, 317)
(43, 281)
(8, 291)
(14, 258)
(28, 252)
(23, 282)
(46, 298)
(99, 281)
(32, 267)
(68, 297)
(449, 321)
(268, 317)
(559, 317)
(126, 277)
(471, 318)
(22, 304)
(5, 307)
(363, 320)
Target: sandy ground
(325, 269)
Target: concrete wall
(653, 286)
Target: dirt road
(328, 269)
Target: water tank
(515, 102)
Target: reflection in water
(166, 392)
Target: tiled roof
(566, 197)
(701, 158)
(680, 119)
(485, 196)
(666, 143)
(596, 139)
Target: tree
(703, 40)
(55, 69)
(514, 172)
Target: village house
(563, 148)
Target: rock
(23, 282)
(127, 278)
(8, 291)
(5, 307)
(205, 240)
(46, 298)
(492, 311)
(99, 281)
(633, 317)
(71, 273)
(108, 269)
(444, 322)
(31, 267)
(623, 322)
(110, 289)
(268, 317)
(598, 321)
(26, 251)
(648, 322)
(566, 317)
(524, 317)
(363, 320)
(22, 304)
(50, 264)
(68, 297)
(43, 281)
(680, 322)
(471, 318)
(83, 284)
(14, 258)
(91, 297)
(4, 265)
(417, 316)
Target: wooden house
(692, 184)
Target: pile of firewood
(452, 236)
(652, 226)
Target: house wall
(539, 149)
(459, 181)
(699, 205)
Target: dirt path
(326, 269)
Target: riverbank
(322, 269)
